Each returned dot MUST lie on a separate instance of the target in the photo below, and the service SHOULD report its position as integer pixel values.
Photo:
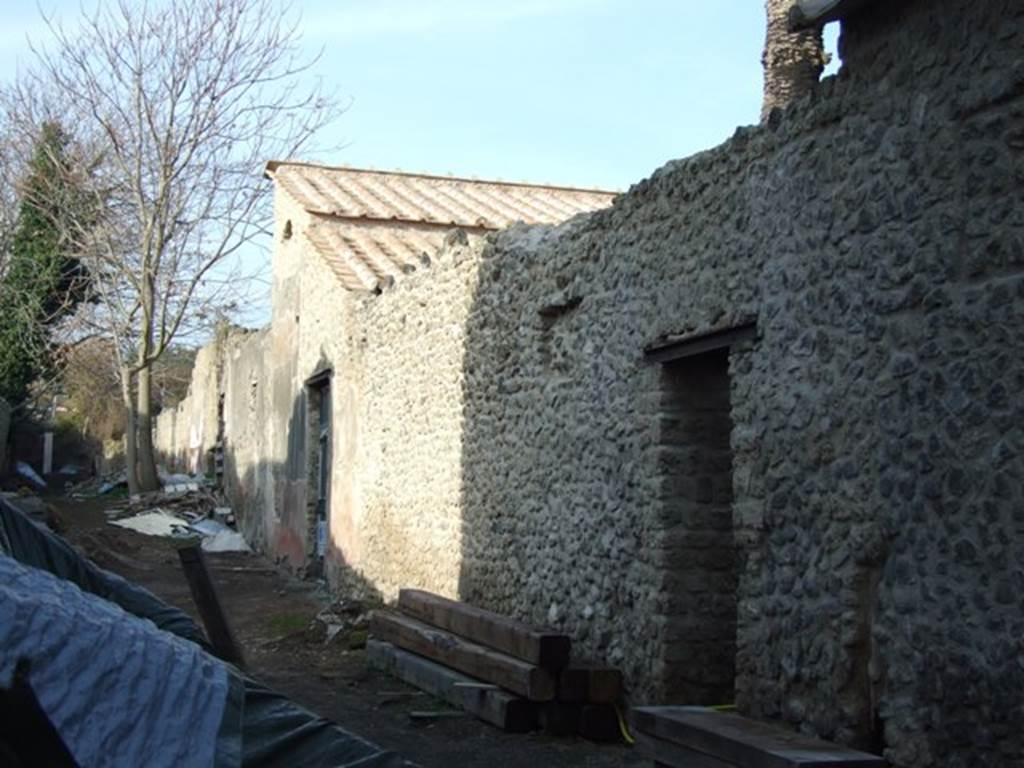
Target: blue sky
(583, 92)
(595, 93)
(589, 92)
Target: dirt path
(270, 612)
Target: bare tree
(176, 107)
(793, 60)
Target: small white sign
(321, 537)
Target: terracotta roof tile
(372, 226)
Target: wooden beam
(600, 723)
(590, 684)
(744, 742)
(204, 595)
(536, 646)
(678, 347)
(490, 704)
(558, 718)
(665, 753)
(533, 682)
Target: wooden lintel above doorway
(678, 347)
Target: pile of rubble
(186, 507)
(347, 618)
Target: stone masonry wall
(406, 466)
(396, 393)
(874, 234)
(500, 436)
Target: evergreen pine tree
(44, 280)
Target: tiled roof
(369, 255)
(373, 226)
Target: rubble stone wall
(500, 435)
(401, 437)
(874, 234)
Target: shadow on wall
(275, 507)
(287, 537)
(560, 420)
(269, 497)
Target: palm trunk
(130, 438)
(793, 61)
(148, 480)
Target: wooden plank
(605, 685)
(678, 347)
(600, 723)
(513, 674)
(665, 753)
(537, 646)
(204, 595)
(560, 719)
(573, 685)
(431, 714)
(492, 705)
(744, 742)
(590, 684)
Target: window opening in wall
(830, 37)
(320, 474)
(287, 234)
(699, 550)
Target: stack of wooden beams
(686, 737)
(503, 671)
(585, 704)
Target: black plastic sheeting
(276, 733)
(260, 728)
(33, 544)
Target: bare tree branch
(175, 108)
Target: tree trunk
(130, 468)
(792, 61)
(148, 480)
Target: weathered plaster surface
(186, 432)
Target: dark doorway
(320, 471)
(699, 555)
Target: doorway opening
(698, 551)
(319, 485)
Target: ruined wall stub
(183, 435)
